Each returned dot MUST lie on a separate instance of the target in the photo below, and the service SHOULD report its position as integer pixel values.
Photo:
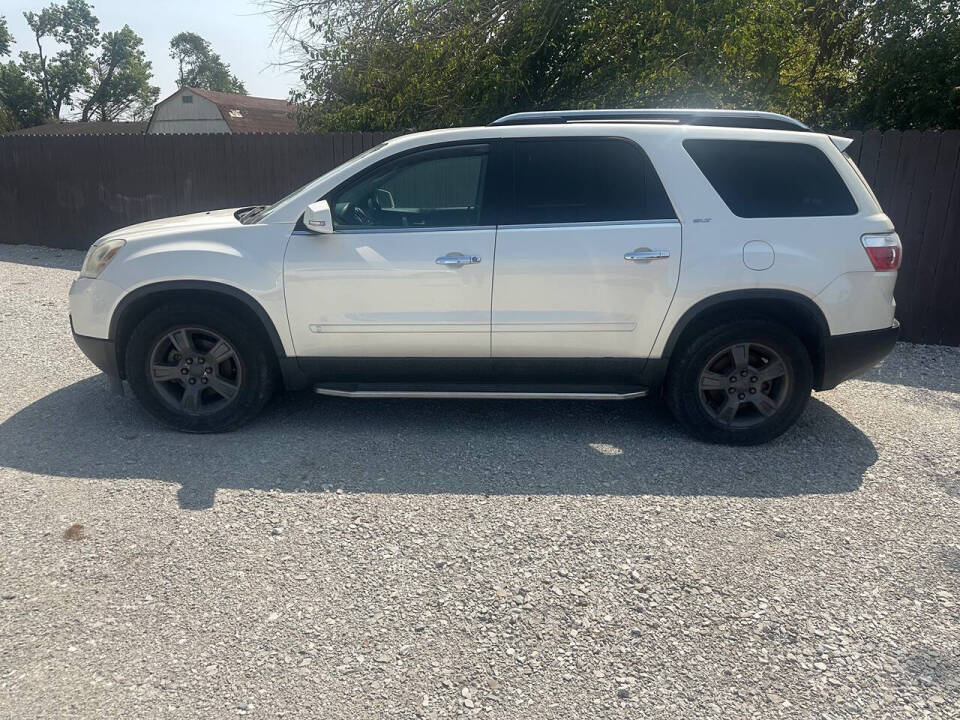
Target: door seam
(493, 279)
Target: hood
(173, 225)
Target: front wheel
(740, 384)
(198, 369)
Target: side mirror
(318, 218)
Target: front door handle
(644, 254)
(458, 259)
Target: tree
(7, 121)
(62, 75)
(909, 73)
(20, 99)
(382, 64)
(111, 84)
(5, 39)
(119, 80)
(200, 67)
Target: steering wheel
(360, 216)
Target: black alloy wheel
(744, 384)
(195, 370)
(200, 368)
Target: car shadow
(39, 256)
(308, 444)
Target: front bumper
(852, 354)
(92, 302)
(102, 353)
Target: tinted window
(436, 188)
(772, 179)
(585, 180)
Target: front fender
(245, 262)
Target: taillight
(885, 250)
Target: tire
(736, 364)
(229, 379)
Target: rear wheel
(741, 384)
(198, 369)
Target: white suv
(735, 260)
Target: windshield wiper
(251, 214)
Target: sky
(237, 30)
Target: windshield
(259, 212)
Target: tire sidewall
(256, 386)
(683, 392)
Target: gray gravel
(373, 559)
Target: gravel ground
(395, 559)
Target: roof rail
(716, 118)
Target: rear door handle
(458, 259)
(646, 255)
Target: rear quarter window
(759, 179)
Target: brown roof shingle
(84, 128)
(246, 114)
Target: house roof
(84, 128)
(246, 114)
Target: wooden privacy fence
(916, 177)
(67, 191)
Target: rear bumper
(102, 353)
(852, 354)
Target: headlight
(100, 255)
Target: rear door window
(759, 179)
(575, 180)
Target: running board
(482, 392)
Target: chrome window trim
(666, 222)
(400, 230)
(671, 222)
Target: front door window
(433, 189)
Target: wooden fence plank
(908, 210)
(870, 155)
(943, 295)
(887, 163)
(856, 146)
(931, 286)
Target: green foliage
(200, 67)
(5, 39)
(119, 79)
(61, 75)
(21, 103)
(101, 77)
(380, 64)
(910, 75)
